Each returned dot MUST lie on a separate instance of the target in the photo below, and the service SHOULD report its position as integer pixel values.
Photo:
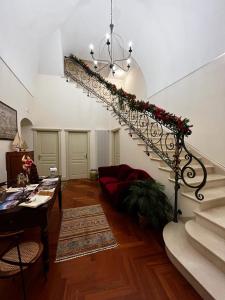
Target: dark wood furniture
(19, 218)
(14, 165)
(18, 256)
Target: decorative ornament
(167, 119)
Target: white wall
(134, 156)
(23, 27)
(171, 37)
(51, 55)
(62, 105)
(175, 37)
(135, 83)
(201, 98)
(13, 94)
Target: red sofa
(116, 180)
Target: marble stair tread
(198, 179)
(152, 151)
(209, 194)
(182, 158)
(208, 239)
(199, 271)
(195, 167)
(215, 215)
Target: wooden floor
(137, 269)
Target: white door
(116, 147)
(77, 155)
(46, 151)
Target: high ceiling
(171, 37)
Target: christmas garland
(167, 119)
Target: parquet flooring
(138, 269)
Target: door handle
(86, 156)
(39, 156)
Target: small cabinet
(14, 165)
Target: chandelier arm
(120, 67)
(126, 58)
(111, 61)
(99, 60)
(103, 60)
(106, 65)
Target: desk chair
(18, 256)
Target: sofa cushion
(112, 188)
(107, 179)
(132, 176)
(124, 171)
(142, 175)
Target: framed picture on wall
(8, 122)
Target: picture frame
(8, 122)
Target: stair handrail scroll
(162, 133)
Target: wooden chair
(18, 256)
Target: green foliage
(167, 119)
(147, 198)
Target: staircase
(196, 245)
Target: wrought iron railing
(166, 141)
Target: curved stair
(196, 248)
(202, 274)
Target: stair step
(205, 277)
(209, 244)
(158, 146)
(214, 196)
(197, 168)
(213, 219)
(154, 139)
(183, 161)
(170, 153)
(213, 180)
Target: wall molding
(187, 75)
(17, 78)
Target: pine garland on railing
(167, 119)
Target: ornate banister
(162, 132)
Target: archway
(27, 133)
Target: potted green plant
(146, 199)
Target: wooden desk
(19, 217)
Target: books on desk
(50, 180)
(36, 201)
(10, 200)
(48, 183)
(37, 194)
(29, 187)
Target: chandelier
(109, 49)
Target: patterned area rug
(84, 230)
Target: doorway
(78, 154)
(46, 150)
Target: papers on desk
(49, 183)
(10, 200)
(55, 179)
(48, 192)
(29, 187)
(13, 190)
(36, 201)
